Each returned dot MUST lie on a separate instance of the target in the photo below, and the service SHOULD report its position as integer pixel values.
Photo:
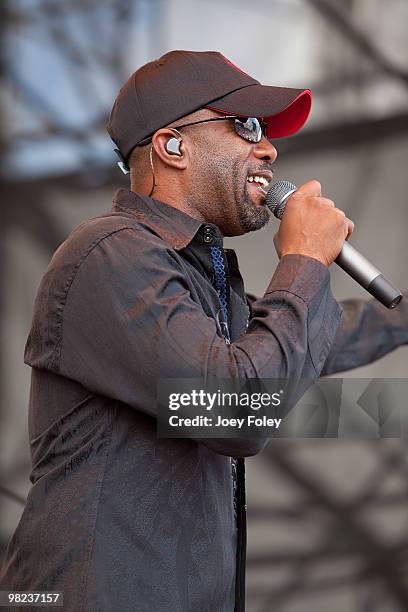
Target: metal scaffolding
(98, 47)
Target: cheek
(221, 168)
(223, 178)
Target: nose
(265, 150)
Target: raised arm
(367, 331)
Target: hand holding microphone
(313, 226)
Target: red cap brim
(285, 110)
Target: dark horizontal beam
(344, 135)
(333, 137)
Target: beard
(251, 218)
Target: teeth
(258, 179)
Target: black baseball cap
(181, 82)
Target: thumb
(276, 244)
(310, 188)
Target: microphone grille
(277, 195)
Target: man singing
(117, 518)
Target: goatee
(252, 218)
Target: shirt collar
(175, 227)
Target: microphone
(349, 259)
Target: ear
(171, 153)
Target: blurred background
(327, 518)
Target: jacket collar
(172, 225)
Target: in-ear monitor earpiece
(173, 146)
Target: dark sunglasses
(248, 128)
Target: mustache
(263, 168)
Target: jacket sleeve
(128, 319)
(368, 331)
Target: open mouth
(258, 185)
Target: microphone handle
(356, 265)
(367, 275)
